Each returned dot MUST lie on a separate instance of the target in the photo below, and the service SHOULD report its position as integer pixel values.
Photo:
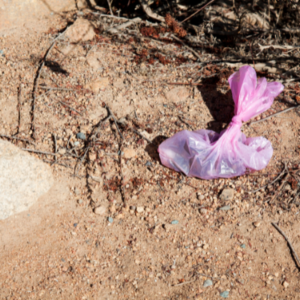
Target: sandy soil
(125, 227)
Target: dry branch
(289, 243)
(150, 13)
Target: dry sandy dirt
(125, 227)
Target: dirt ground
(126, 227)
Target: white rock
(140, 209)
(81, 30)
(23, 179)
(100, 210)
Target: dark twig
(197, 11)
(55, 146)
(280, 187)
(81, 160)
(39, 152)
(183, 83)
(185, 122)
(70, 107)
(138, 133)
(115, 120)
(17, 138)
(187, 47)
(36, 83)
(19, 108)
(276, 179)
(289, 243)
(276, 114)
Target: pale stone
(256, 224)
(98, 85)
(94, 59)
(129, 153)
(286, 284)
(80, 30)
(23, 179)
(100, 210)
(140, 209)
(15, 13)
(227, 194)
(177, 94)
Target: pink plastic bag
(207, 154)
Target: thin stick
(39, 152)
(109, 16)
(182, 283)
(280, 187)
(184, 122)
(289, 243)
(55, 88)
(63, 103)
(197, 11)
(276, 114)
(182, 83)
(17, 138)
(81, 160)
(55, 146)
(115, 120)
(36, 84)
(150, 13)
(138, 133)
(19, 108)
(109, 5)
(187, 47)
(271, 182)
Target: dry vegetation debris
(102, 106)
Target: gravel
(224, 294)
(207, 283)
(81, 136)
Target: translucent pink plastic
(207, 154)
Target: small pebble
(205, 246)
(110, 219)
(76, 143)
(100, 210)
(243, 246)
(140, 209)
(203, 211)
(286, 284)
(174, 222)
(81, 136)
(207, 283)
(129, 153)
(227, 194)
(256, 224)
(224, 294)
(226, 207)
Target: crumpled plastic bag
(207, 154)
